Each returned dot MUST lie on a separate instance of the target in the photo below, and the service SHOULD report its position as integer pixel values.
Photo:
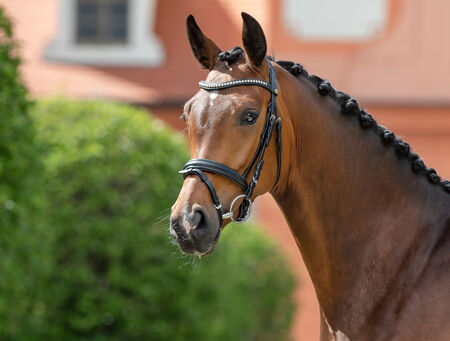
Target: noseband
(199, 166)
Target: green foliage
(23, 258)
(19, 165)
(111, 172)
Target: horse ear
(253, 39)
(205, 50)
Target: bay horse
(370, 218)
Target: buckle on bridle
(229, 214)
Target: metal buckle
(229, 215)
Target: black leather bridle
(199, 166)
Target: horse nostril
(198, 219)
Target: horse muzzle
(195, 229)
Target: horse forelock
(232, 56)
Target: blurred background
(391, 55)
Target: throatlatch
(199, 166)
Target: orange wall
(36, 25)
(407, 63)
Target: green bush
(19, 158)
(111, 172)
(23, 258)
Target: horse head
(234, 128)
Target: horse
(371, 220)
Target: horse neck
(358, 214)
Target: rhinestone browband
(238, 82)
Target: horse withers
(370, 218)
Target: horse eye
(249, 117)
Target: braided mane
(350, 107)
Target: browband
(237, 82)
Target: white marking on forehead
(212, 96)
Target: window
(331, 20)
(106, 32)
(101, 21)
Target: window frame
(306, 25)
(142, 47)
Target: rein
(199, 166)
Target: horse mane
(350, 107)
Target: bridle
(199, 166)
